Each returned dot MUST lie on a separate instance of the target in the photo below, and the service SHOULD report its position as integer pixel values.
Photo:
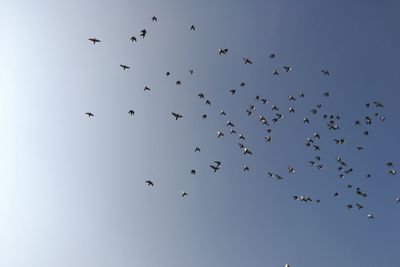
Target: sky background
(72, 189)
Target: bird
(222, 51)
(133, 39)
(131, 112)
(149, 183)
(204, 116)
(124, 66)
(222, 112)
(197, 149)
(359, 206)
(291, 169)
(305, 198)
(246, 168)
(232, 91)
(370, 216)
(247, 151)
(325, 72)
(143, 33)
(219, 134)
(146, 88)
(271, 56)
(154, 18)
(389, 164)
(192, 28)
(94, 40)
(275, 72)
(183, 194)
(193, 172)
(89, 114)
(208, 102)
(229, 123)
(191, 72)
(247, 60)
(398, 200)
(178, 82)
(392, 172)
(201, 95)
(177, 115)
(215, 168)
(287, 68)
(167, 73)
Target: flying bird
(287, 68)
(94, 40)
(131, 112)
(247, 60)
(222, 51)
(176, 115)
(192, 28)
(124, 66)
(89, 114)
(247, 151)
(325, 72)
(154, 18)
(149, 183)
(133, 39)
(143, 33)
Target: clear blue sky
(72, 189)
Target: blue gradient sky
(72, 189)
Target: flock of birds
(332, 124)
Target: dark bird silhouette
(89, 114)
(143, 33)
(131, 112)
(124, 66)
(192, 28)
(325, 72)
(154, 18)
(176, 115)
(133, 39)
(287, 68)
(94, 40)
(247, 60)
(222, 51)
(149, 183)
